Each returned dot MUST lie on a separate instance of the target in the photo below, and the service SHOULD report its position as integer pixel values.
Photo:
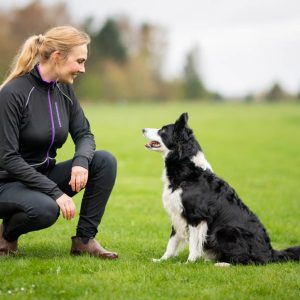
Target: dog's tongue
(153, 144)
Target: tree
(37, 18)
(193, 86)
(18, 24)
(8, 45)
(108, 44)
(276, 93)
(152, 47)
(298, 96)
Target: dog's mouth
(153, 144)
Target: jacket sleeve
(11, 108)
(81, 134)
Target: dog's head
(177, 137)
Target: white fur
(200, 161)
(152, 134)
(196, 240)
(172, 248)
(173, 205)
(222, 264)
(195, 235)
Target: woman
(38, 109)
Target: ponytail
(40, 47)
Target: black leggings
(23, 209)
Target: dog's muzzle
(152, 135)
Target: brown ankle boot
(90, 246)
(6, 247)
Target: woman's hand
(67, 206)
(79, 178)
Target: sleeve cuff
(81, 161)
(56, 193)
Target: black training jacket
(35, 119)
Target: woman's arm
(81, 135)
(11, 110)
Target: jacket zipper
(52, 127)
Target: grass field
(254, 147)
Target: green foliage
(20, 23)
(107, 43)
(194, 88)
(89, 86)
(254, 147)
(276, 93)
(125, 62)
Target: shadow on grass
(42, 251)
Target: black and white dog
(205, 211)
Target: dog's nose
(143, 130)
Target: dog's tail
(292, 253)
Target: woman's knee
(45, 213)
(104, 159)
(104, 168)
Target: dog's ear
(184, 118)
(181, 132)
(182, 121)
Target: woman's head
(57, 45)
(62, 39)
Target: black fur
(235, 234)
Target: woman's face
(68, 69)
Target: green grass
(254, 147)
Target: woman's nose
(82, 69)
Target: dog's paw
(222, 264)
(156, 260)
(192, 259)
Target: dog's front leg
(172, 247)
(197, 236)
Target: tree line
(125, 61)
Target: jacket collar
(35, 73)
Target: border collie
(205, 210)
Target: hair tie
(40, 38)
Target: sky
(244, 45)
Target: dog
(205, 211)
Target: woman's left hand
(79, 178)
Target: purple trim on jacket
(52, 84)
(52, 126)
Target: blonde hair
(38, 48)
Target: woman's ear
(56, 56)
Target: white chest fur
(200, 161)
(173, 205)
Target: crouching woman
(38, 108)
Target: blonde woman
(38, 109)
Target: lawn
(254, 147)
